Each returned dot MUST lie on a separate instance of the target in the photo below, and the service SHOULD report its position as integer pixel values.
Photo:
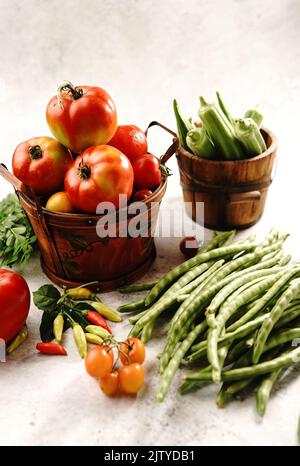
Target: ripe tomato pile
(92, 159)
(129, 379)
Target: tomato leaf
(46, 297)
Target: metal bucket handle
(173, 148)
(23, 188)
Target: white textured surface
(145, 53)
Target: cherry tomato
(14, 303)
(131, 378)
(99, 361)
(147, 172)
(132, 350)
(142, 194)
(130, 140)
(99, 174)
(189, 246)
(60, 202)
(82, 116)
(42, 163)
(109, 383)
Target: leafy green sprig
(16, 235)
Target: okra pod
(250, 137)
(200, 143)
(183, 125)
(220, 131)
(255, 115)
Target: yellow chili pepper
(79, 294)
(58, 327)
(99, 331)
(18, 340)
(80, 340)
(95, 339)
(105, 311)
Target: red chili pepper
(51, 348)
(96, 319)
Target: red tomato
(142, 194)
(82, 116)
(147, 172)
(132, 350)
(130, 140)
(189, 246)
(14, 303)
(99, 174)
(42, 163)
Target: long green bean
(260, 305)
(217, 253)
(137, 287)
(228, 289)
(273, 318)
(163, 304)
(264, 391)
(132, 307)
(200, 349)
(198, 301)
(173, 365)
(286, 360)
(217, 240)
(227, 310)
(198, 284)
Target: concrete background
(145, 53)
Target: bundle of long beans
(236, 313)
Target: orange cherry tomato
(109, 383)
(189, 246)
(131, 378)
(142, 194)
(60, 202)
(99, 361)
(132, 350)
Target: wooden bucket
(71, 251)
(233, 192)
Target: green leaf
(46, 327)
(46, 297)
(79, 318)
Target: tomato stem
(74, 92)
(84, 171)
(35, 152)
